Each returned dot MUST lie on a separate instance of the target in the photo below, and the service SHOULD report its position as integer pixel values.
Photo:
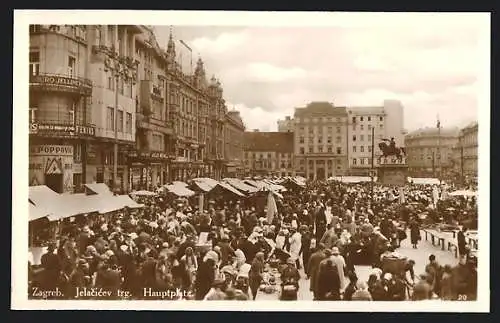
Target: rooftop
(366, 110)
(432, 131)
(281, 142)
(319, 109)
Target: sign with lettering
(47, 160)
(54, 129)
(64, 83)
(148, 155)
(51, 150)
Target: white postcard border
(22, 19)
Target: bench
(434, 236)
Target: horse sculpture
(391, 149)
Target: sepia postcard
(194, 160)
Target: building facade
(430, 152)
(367, 126)
(61, 115)
(268, 153)
(234, 130)
(320, 139)
(286, 125)
(465, 154)
(94, 87)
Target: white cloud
(429, 62)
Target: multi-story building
(198, 110)
(234, 129)
(367, 126)
(430, 151)
(286, 125)
(92, 87)
(62, 120)
(320, 138)
(269, 153)
(150, 160)
(465, 154)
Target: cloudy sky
(431, 64)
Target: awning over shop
(424, 181)
(240, 185)
(115, 203)
(36, 213)
(352, 179)
(230, 189)
(98, 188)
(143, 193)
(205, 184)
(466, 193)
(179, 190)
(41, 194)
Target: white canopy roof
(240, 185)
(99, 188)
(179, 190)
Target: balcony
(60, 83)
(56, 128)
(148, 122)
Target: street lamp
(119, 72)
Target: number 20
(462, 297)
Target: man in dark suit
(462, 250)
(313, 267)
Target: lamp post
(118, 69)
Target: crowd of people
(233, 248)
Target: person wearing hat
(255, 274)
(295, 241)
(361, 293)
(290, 277)
(313, 266)
(422, 290)
(51, 264)
(328, 282)
(339, 262)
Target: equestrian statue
(390, 149)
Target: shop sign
(51, 150)
(54, 129)
(71, 84)
(148, 155)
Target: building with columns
(320, 140)
(234, 130)
(268, 153)
(430, 151)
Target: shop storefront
(147, 170)
(51, 165)
(183, 170)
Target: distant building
(286, 125)
(268, 153)
(234, 130)
(320, 140)
(430, 151)
(386, 122)
(465, 154)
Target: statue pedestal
(392, 171)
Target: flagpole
(439, 149)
